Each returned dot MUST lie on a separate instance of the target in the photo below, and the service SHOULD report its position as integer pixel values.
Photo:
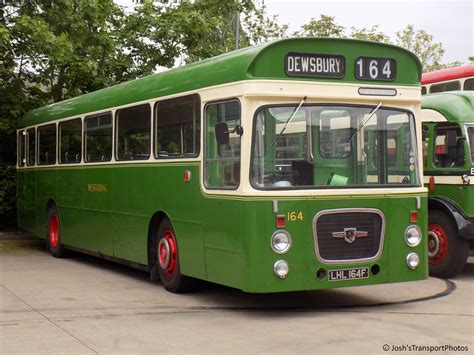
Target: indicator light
(465, 179)
(280, 221)
(187, 176)
(432, 184)
(413, 216)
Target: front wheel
(167, 259)
(447, 252)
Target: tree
(150, 38)
(421, 43)
(325, 26)
(206, 27)
(260, 28)
(370, 34)
(72, 47)
(53, 50)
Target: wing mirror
(222, 132)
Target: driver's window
(222, 161)
(449, 147)
(334, 134)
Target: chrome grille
(348, 235)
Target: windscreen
(319, 146)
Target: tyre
(53, 239)
(167, 260)
(447, 252)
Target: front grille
(333, 237)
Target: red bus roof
(448, 74)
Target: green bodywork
(107, 209)
(458, 108)
(223, 240)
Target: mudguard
(464, 224)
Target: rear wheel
(167, 260)
(447, 252)
(54, 235)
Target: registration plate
(349, 274)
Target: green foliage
(370, 34)
(325, 26)
(149, 39)
(421, 43)
(260, 28)
(7, 194)
(451, 64)
(205, 28)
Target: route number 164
(382, 69)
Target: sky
(451, 22)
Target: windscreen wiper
(289, 120)
(366, 121)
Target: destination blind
(314, 64)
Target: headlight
(413, 260)
(281, 242)
(413, 236)
(465, 179)
(281, 269)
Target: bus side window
(70, 141)
(470, 135)
(21, 148)
(98, 138)
(469, 84)
(449, 86)
(47, 144)
(177, 127)
(222, 161)
(449, 147)
(423, 90)
(425, 138)
(133, 133)
(31, 145)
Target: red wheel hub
(168, 253)
(437, 244)
(54, 231)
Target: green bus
(250, 169)
(448, 154)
